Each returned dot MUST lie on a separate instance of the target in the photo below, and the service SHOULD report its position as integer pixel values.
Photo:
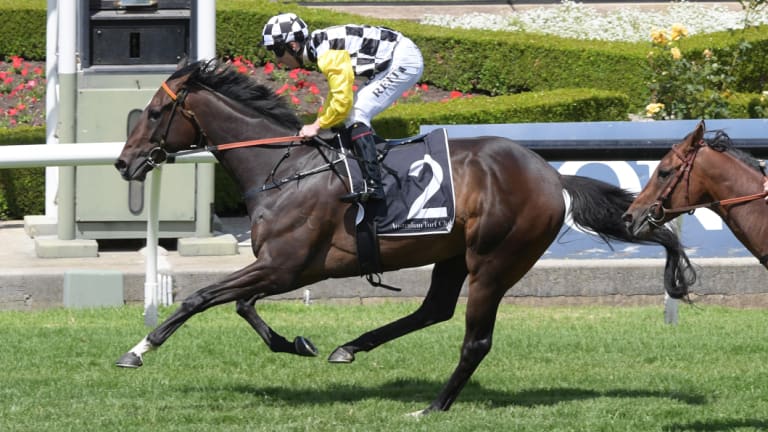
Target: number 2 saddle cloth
(418, 184)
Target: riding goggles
(278, 49)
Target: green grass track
(550, 369)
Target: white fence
(52, 155)
(47, 155)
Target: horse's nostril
(627, 218)
(120, 164)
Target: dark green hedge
(493, 63)
(752, 71)
(498, 63)
(22, 190)
(562, 105)
(748, 105)
(23, 28)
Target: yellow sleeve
(336, 65)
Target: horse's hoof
(129, 360)
(341, 355)
(419, 413)
(304, 347)
(422, 413)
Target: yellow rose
(678, 31)
(707, 53)
(653, 109)
(659, 37)
(676, 54)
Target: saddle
(418, 184)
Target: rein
(657, 212)
(158, 154)
(233, 145)
(170, 157)
(720, 203)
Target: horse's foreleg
(482, 307)
(236, 286)
(438, 306)
(277, 343)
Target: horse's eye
(664, 173)
(154, 114)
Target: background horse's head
(201, 104)
(669, 186)
(697, 172)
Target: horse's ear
(184, 62)
(209, 65)
(698, 133)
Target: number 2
(417, 210)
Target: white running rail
(45, 155)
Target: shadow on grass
(423, 391)
(718, 425)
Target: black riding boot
(364, 146)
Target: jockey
(391, 62)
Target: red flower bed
(306, 89)
(23, 84)
(22, 92)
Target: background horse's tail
(598, 206)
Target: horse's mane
(227, 81)
(721, 142)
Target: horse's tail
(598, 207)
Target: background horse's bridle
(657, 212)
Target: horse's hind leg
(439, 305)
(489, 279)
(277, 343)
(482, 306)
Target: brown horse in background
(509, 208)
(706, 172)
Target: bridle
(656, 213)
(158, 154)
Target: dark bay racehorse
(706, 172)
(509, 208)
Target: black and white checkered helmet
(284, 28)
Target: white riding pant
(387, 86)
